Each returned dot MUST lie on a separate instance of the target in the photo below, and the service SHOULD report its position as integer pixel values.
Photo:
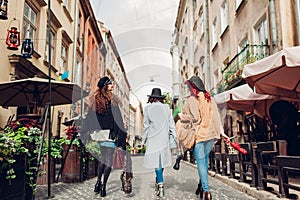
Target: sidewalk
(245, 187)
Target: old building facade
(30, 18)
(216, 38)
(79, 49)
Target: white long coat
(158, 123)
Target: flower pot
(13, 189)
(71, 170)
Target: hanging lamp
(27, 48)
(13, 37)
(3, 9)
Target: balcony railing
(232, 72)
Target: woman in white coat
(158, 124)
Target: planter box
(13, 189)
(42, 179)
(71, 170)
(91, 170)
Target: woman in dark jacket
(104, 114)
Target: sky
(142, 31)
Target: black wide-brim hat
(156, 93)
(197, 82)
(104, 81)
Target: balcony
(232, 72)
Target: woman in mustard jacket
(202, 111)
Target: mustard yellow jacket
(204, 116)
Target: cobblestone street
(178, 185)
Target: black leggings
(105, 163)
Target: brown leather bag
(186, 135)
(118, 158)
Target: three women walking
(199, 109)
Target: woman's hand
(179, 115)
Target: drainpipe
(273, 26)
(75, 38)
(207, 48)
(74, 64)
(193, 37)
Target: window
(224, 22)
(52, 36)
(238, 3)
(214, 32)
(63, 59)
(77, 73)
(202, 66)
(261, 32)
(29, 22)
(242, 55)
(201, 21)
(66, 3)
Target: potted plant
(71, 155)
(56, 153)
(19, 146)
(93, 154)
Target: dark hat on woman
(104, 81)
(196, 81)
(156, 93)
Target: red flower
(71, 130)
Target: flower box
(42, 178)
(91, 170)
(71, 170)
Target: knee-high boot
(98, 184)
(107, 171)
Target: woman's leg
(159, 173)
(201, 152)
(100, 171)
(159, 179)
(107, 158)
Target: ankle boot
(97, 187)
(161, 190)
(199, 191)
(103, 191)
(176, 165)
(207, 196)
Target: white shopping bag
(101, 135)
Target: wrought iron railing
(232, 72)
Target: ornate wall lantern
(3, 9)
(13, 38)
(27, 48)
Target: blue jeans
(159, 173)
(201, 153)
